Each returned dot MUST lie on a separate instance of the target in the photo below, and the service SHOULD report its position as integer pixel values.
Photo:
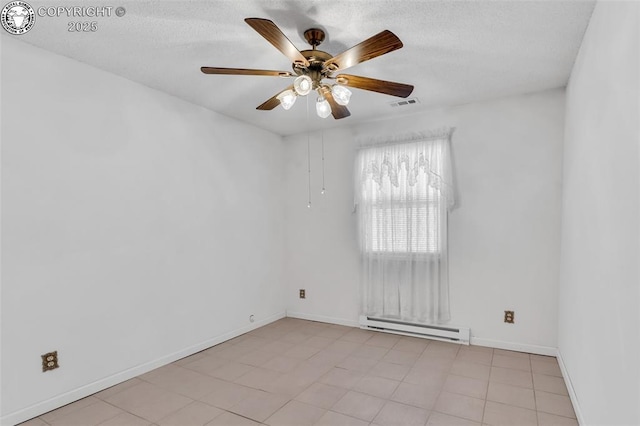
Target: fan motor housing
(316, 69)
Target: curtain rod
(442, 133)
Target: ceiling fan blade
(338, 111)
(378, 45)
(371, 84)
(273, 35)
(273, 101)
(244, 71)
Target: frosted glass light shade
(341, 94)
(303, 85)
(323, 108)
(287, 99)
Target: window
(404, 226)
(404, 193)
(401, 199)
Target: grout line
(442, 387)
(486, 396)
(535, 402)
(128, 412)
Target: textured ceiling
(454, 52)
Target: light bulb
(322, 192)
(287, 99)
(323, 108)
(303, 85)
(341, 94)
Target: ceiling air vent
(405, 102)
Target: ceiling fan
(311, 69)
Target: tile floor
(295, 372)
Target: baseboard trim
(84, 391)
(321, 318)
(513, 346)
(570, 388)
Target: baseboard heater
(458, 335)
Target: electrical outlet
(49, 361)
(303, 294)
(509, 317)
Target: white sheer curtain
(404, 192)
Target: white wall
(135, 227)
(599, 303)
(504, 235)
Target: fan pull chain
(323, 188)
(308, 152)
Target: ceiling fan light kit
(303, 85)
(287, 99)
(341, 94)
(311, 67)
(323, 109)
